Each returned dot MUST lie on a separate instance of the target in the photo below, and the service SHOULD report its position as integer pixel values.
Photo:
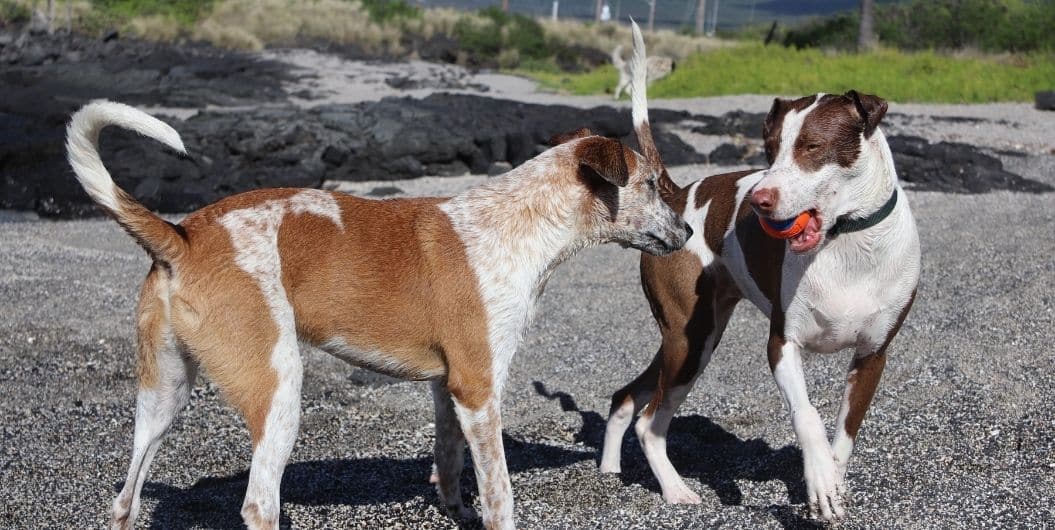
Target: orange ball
(786, 232)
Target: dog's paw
(461, 512)
(681, 494)
(826, 488)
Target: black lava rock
(954, 167)
(1045, 100)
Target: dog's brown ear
(605, 157)
(561, 138)
(871, 108)
(770, 137)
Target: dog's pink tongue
(808, 238)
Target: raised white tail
(159, 237)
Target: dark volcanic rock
(954, 167)
(1046, 100)
(748, 124)
(734, 155)
(235, 151)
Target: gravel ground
(961, 434)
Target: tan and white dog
(847, 281)
(437, 289)
(656, 68)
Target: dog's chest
(833, 303)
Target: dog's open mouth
(803, 231)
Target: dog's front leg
(481, 422)
(861, 382)
(824, 484)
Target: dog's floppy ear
(561, 138)
(770, 142)
(871, 108)
(604, 157)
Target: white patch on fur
(483, 432)
(156, 408)
(317, 202)
(697, 217)
(652, 433)
(373, 359)
(254, 235)
(512, 261)
(82, 144)
(824, 485)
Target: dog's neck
(524, 224)
(876, 178)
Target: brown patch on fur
(774, 122)
(764, 258)
(763, 255)
(162, 240)
(152, 322)
(830, 134)
(720, 192)
(864, 376)
(253, 519)
(606, 158)
(870, 109)
(219, 312)
(416, 301)
(690, 304)
(561, 138)
(674, 195)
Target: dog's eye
(812, 147)
(651, 184)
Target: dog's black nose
(688, 231)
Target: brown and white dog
(847, 281)
(437, 289)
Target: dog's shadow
(702, 449)
(698, 447)
(214, 502)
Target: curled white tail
(82, 143)
(157, 236)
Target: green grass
(894, 75)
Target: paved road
(961, 434)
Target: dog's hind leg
(449, 452)
(274, 444)
(627, 402)
(166, 375)
(687, 349)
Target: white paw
(681, 494)
(825, 487)
(608, 467)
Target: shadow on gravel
(214, 502)
(702, 449)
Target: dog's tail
(617, 57)
(639, 108)
(161, 239)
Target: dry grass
(607, 36)
(253, 24)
